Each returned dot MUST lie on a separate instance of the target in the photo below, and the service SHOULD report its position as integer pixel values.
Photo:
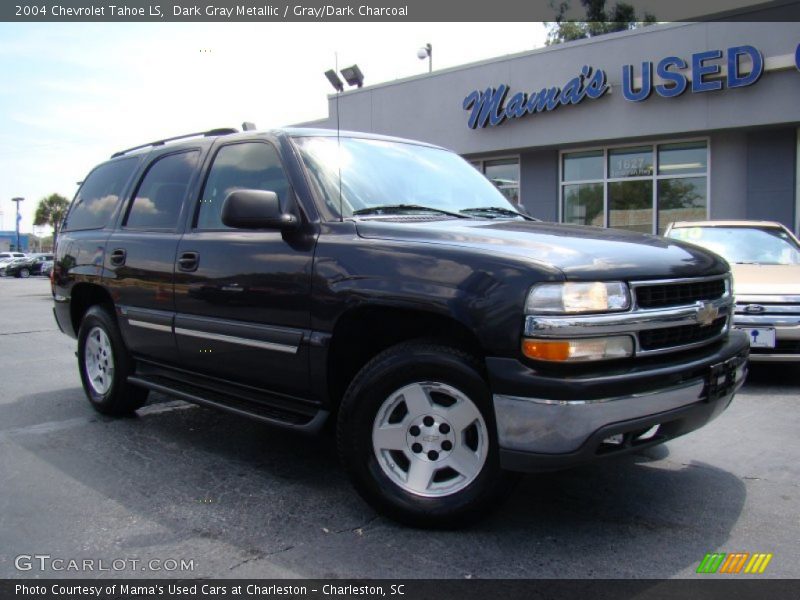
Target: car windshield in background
(401, 176)
(743, 245)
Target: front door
(242, 296)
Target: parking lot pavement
(240, 499)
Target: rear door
(242, 296)
(140, 255)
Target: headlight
(578, 297)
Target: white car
(6, 257)
(765, 262)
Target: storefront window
(630, 162)
(639, 188)
(681, 199)
(630, 205)
(583, 166)
(503, 173)
(680, 159)
(583, 204)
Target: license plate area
(723, 376)
(760, 337)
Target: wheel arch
(85, 295)
(361, 333)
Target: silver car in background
(765, 262)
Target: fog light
(615, 439)
(578, 350)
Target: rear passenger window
(249, 165)
(99, 195)
(158, 200)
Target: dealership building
(633, 130)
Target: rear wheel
(416, 436)
(105, 365)
(24, 273)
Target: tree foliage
(51, 211)
(599, 21)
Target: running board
(232, 404)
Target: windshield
(743, 245)
(378, 173)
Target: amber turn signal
(553, 350)
(579, 349)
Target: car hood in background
(758, 280)
(579, 252)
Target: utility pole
(16, 221)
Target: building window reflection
(504, 174)
(640, 187)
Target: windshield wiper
(496, 210)
(389, 209)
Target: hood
(756, 280)
(579, 252)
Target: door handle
(189, 261)
(118, 256)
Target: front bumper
(542, 425)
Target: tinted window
(99, 195)
(505, 175)
(580, 166)
(158, 201)
(583, 204)
(251, 166)
(630, 162)
(677, 159)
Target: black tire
(403, 367)
(24, 273)
(120, 398)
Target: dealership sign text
(670, 77)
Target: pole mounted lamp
(426, 52)
(17, 201)
(334, 79)
(352, 75)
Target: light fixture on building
(426, 52)
(353, 76)
(334, 79)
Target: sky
(74, 93)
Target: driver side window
(247, 165)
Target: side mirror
(255, 209)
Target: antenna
(338, 141)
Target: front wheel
(416, 436)
(24, 273)
(105, 365)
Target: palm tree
(51, 211)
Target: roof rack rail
(209, 133)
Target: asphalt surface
(242, 500)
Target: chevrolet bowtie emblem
(706, 313)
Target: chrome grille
(678, 293)
(670, 337)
